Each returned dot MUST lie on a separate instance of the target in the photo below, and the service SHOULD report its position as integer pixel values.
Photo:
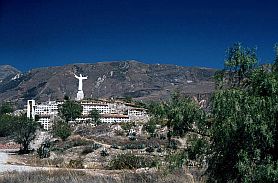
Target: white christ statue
(80, 94)
(80, 84)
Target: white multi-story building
(89, 106)
(45, 122)
(110, 112)
(47, 108)
(114, 118)
(45, 112)
(137, 112)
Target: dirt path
(4, 166)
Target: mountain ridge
(109, 79)
(7, 71)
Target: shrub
(162, 137)
(44, 150)
(133, 146)
(132, 138)
(130, 161)
(151, 126)
(81, 142)
(96, 146)
(104, 152)
(150, 149)
(119, 132)
(115, 146)
(159, 150)
(141, 146)
(127, 126)
(87, 150)
(76, 163)
(61, 129)
(173, 145)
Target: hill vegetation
(232, 139)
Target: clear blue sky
(38, 33)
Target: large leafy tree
(70, 110)
(151, 126)
(181, 115)
(244, 137)
(5, 125)
(95, 116)
(6, 108)
(239, 63)
(275, 64)
(24, 131)
(61, 129)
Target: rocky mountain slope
(108, 79)
(7, 72)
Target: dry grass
(66, 176)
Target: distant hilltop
(7, 71)
(105, 79)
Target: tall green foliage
(6, 108)
(275, 64)
(5, 125)
(95, 116)
(24, 131)
(151, 126)
(239, 63)
(244, 132)
(180, 114)
(61, 129)
(70, 110)
(241, 140)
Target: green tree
(151, 126)
(94, 114)
(239, 62)
(23, 132)
(181, 116)
(128, 99)
(275, 64)
(239, 140)
(243, 136)
(61, 129)
(244, 132)
(5, 125)
(6, 108)
(70, 110)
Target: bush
(151, 126)
(150, 149)
(127, 126)
(159, 150)
(61, 129)
(76, 164)
(104, 152)
(162, 137)
(141, 146)
(96, 146)
(44, 150)
(130, 161)
(132, 138)
(173, 145)
(87, 150)
(133, 146)
(119, 132)
(80, 142)
(114, 146)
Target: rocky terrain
(105, 79)
(8, 72)
(91, 154)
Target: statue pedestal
(80, 95)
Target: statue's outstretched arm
(76, 76)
